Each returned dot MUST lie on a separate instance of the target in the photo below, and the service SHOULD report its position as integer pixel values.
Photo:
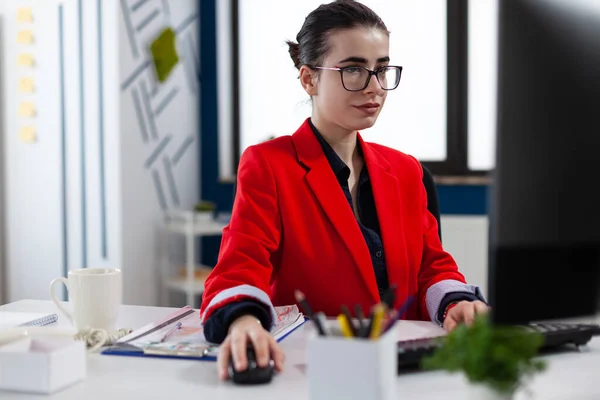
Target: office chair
(433, 204)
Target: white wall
(108, 212)
(465, 237)
(2, 155)
(33, 186)
(172, 178)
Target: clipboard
(189, 342)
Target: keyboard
(556, 335)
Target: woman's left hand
(464, 311)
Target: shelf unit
(191, 277)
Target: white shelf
(191, 225)
(193, 287)
(197, 228)
(180, 284)
(188, 222)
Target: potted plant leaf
(204, 211)
(495, 360)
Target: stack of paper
(163, 338)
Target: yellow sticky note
(27, 110)
(26, 85)
(25, 37)
(25, 60)
(28, 134)
(24, 15)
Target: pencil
(399, 313)
(345, 326)
(300, 298)
(321, 323)
(346, 312)
(361, 323)
(377, 321)
(389, 296)
(171, 331)
(369, 325)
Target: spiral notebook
(13, 319)
(161, 339)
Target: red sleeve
(244, 269)
(436, 264)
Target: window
(426, 116)
(483, 48)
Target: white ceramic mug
(95, 295)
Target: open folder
(181, 335)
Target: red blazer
(292, 228)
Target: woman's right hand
(246, 329)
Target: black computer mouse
(253, 374)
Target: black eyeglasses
(355, 79)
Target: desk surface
(571, 375)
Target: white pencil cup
(352, 368)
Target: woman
(326, 213)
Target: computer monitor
(544, 245)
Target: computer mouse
(253, 374)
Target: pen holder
(352, 368)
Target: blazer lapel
(386, 192)
(326, 188)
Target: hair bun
(294, 50)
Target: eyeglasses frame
(368, 80)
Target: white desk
(570, 376)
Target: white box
(352, 368)
(42, 364)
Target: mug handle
(55, 300)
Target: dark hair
(312, 40)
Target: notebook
(12, 319)
(188, 340)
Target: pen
(171, 331)
(377, 321)
(345, 326)
(399, 313)
(389, 296)
(361, 323)
(346, 312)
(369, 324)
(300, 298)
(320, 321)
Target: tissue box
(42, 364)
(352, 368)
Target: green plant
(500, 357)
(202, 206)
